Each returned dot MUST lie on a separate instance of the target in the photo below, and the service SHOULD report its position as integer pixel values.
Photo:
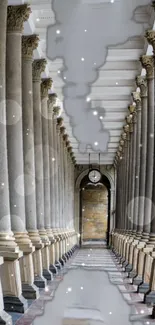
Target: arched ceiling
(93, 49)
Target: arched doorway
(94, 221)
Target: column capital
(46, 85)
(52, 99)
(150, 36)
(123, 136)
(131, 108)
(122, 143)
(38, 66)
(126, 128)
(142, 84)
(29, 44)
(16, 16)
(137, 99)
(63, 130)
(147, 62)
(56, 111)
(60, 122)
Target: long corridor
(93, 287)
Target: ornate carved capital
(46, 84)
(122, 142)
(126, 128)
(142, 84)
(120, 148)
(150, 36)
(60, 122)
(129, 119)
(38, 67)
(52, 99)
(63, 130)
(123, 136)
(56, 111)
(16, 16)
(131, 108)
(147, 62)
(137, 99)
(65, 137)
(69, 148)
(29, 44)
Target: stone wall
(94, 213)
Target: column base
(40, 281)
(58, 265)
(5, 319)
(53, 269)
(149, 298)
(132, 274)
(15, 304)
(47, 274)
(125, 264)
(138, 280)
(62, 261)
(30, 291)
(64, 258)
(145, 237)
(128, 268)
(143, 288)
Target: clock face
(94, 176)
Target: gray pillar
(38, 68)
(148, 64)
(5, 221)
(133, 172)
(142, 84)
(16, 17)
(130, 224)
(52, 159)
(55, 146)
(137, 100)
(45, 86)
(29, 44)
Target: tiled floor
(93, 274)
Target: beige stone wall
(94, 214)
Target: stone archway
(77, 197)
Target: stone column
(29, 43)
(132, 217)
(60, 176)
(148, 64)
(137, 100)
(150, 35)
(52, 161)
(56, 111)
(46, 84)
(16, 17)
(38, 67)
(142, 84)
(8, 247)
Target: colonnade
(37, 233)
(133, 239)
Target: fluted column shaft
(137, 100)
(38, 68)
(45, 86)
(16, 17)
(133, 172)
(29, 43)
(141, 82)
(52, 158)
(148, 64)
(5, 220)
(130, 224)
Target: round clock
(94, 176)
